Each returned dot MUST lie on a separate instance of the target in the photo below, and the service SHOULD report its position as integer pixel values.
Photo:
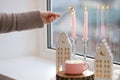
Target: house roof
(104, 50)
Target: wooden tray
(87, 75)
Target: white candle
(85, 33)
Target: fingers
(57, 15)
(48, 17)
(53, 17)
(53, 14)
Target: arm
(24, 21)
(20, 21)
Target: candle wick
(72, 9)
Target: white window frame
(44, 50)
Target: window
(110, 19)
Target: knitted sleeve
(20, 21)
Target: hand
(48, 17)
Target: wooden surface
(87, 75)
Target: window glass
(100, 13)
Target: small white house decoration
(63, 51)
(103, 62)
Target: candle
(106, 16)
(85, 34)
(73, 22)
(103, 33)
(73, 25)
(98, 22)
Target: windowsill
(38, 68)
(28, 68)
(116, 68)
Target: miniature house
(63, 52)
(103, 62)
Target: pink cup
(75, 67)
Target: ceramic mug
(75, 66)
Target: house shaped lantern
(103, 62)
(63, 52)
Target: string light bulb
(107, 7)
(102, 7)
(98, 7)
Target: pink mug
(75, 66)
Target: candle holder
(73, 41)
(85, 45)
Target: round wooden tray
(87, 75)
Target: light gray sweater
(20, 21)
